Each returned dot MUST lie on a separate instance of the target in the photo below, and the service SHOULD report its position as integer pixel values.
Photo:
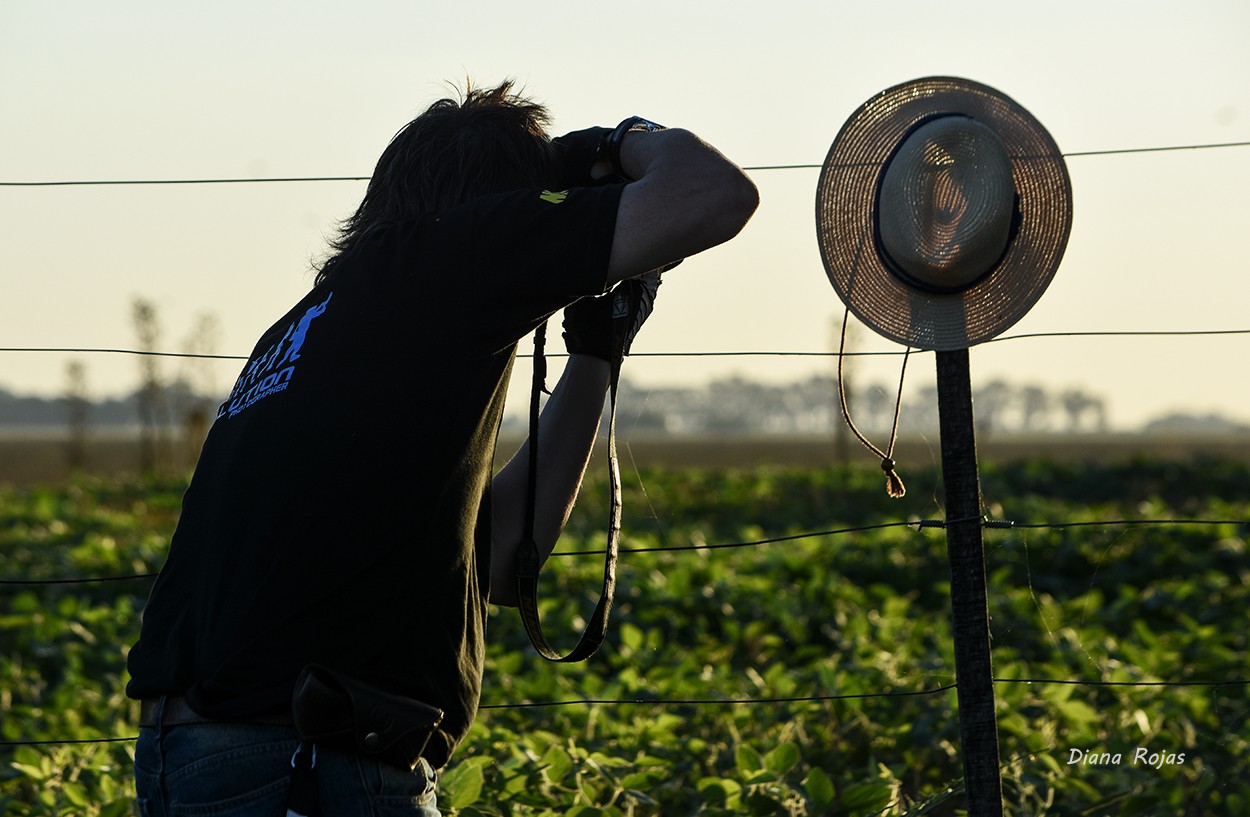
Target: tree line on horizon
(732, 405)
(185, 404)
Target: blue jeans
(244, 770)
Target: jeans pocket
(250, 780)
(265, 801)
(402, 792)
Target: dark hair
(458, 150)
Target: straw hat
(943, 210)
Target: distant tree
(1077, 404)
(991, 403)
(1183, 423)
(78, 406)
(878, 403)
(1035, 406)
(1099, 409)
(813, 409)
(195, 407)
(920, 413)
(151, 403)
(736, 405)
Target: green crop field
(810, 675)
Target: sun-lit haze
(148, 90)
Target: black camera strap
(528, 561)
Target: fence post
(974, 674)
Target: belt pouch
(339, 712)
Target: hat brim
(846, 196)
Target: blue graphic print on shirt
(270, 374)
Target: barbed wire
(751, 168)
(1079, 682)
(723, 701)
(68, 741)
(788, 699)
(97, 580)
(597, 702)
(918, 524)
(712, 353)
(107, 351)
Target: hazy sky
(164, 90)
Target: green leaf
(720, 790)
(641, 796)
(645, 779)
(866, 796)
(463, 783)
(819, 789)
(632, 637)
(783, 758)
(557, 764)
(33, 772)
(749, 760)
(1078, 711)
(30, 762)
(75, 793)
(1048, 760)
(117, 808)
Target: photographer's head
(485, 141)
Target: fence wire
(739, 353)
(751, 168)
(918, 525)
(662, 549)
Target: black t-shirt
(340, 512)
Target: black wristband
(613, 144)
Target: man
(343, 515)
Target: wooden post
(974, 672)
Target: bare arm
(687, 197)
(566, 433)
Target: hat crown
(946, 205)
